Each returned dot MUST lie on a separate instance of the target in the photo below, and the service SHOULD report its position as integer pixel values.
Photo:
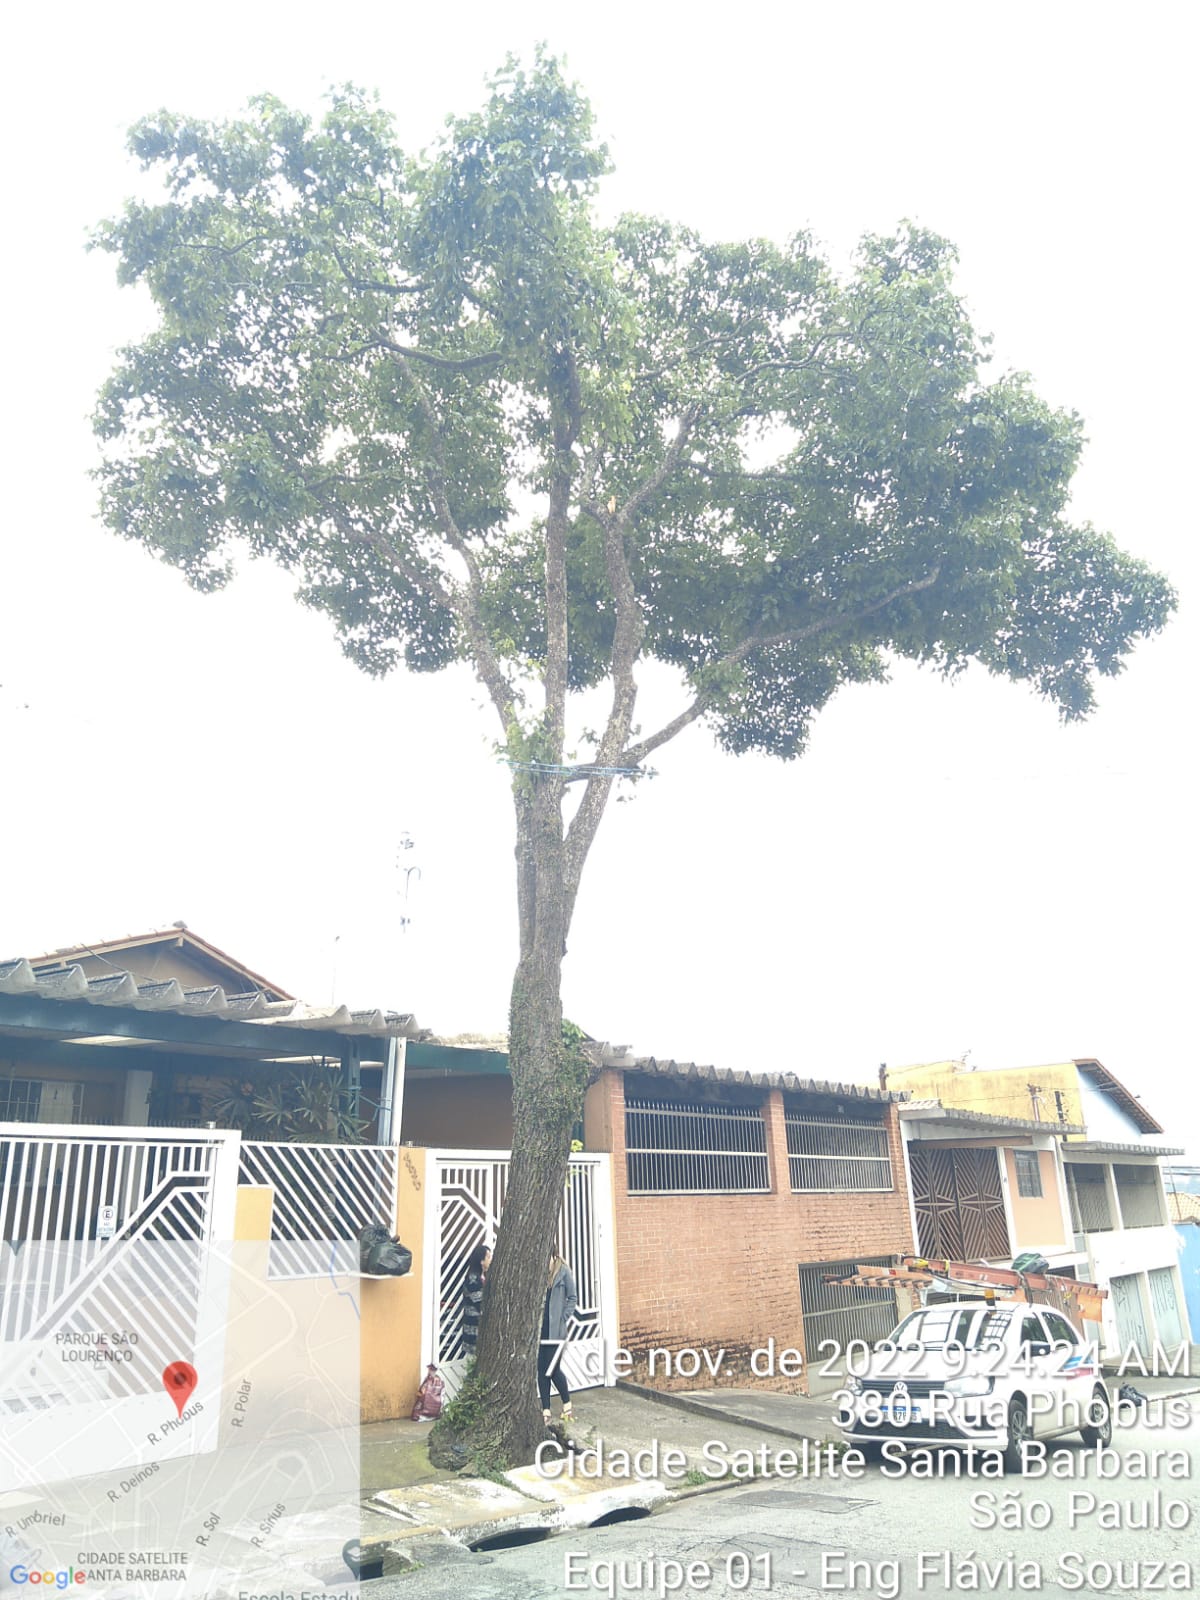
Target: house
(1107, 1149)
(117, 1060)
(1183, 1203)
(986, 1187)
(166, 1029)
(737, 1196)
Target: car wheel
(1018, 1432)
(1098, 1428)
(870, 1449)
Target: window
(674, 1148)
(837, 1155)
(40, 1100)
(1029, 1174)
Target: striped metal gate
(468, 1191)
(324, 1196)
(835, 1315)
(105, 1267)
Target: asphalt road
(1065, 1533)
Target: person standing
(562, 1297)
(478, 1263)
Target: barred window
(837, 1155)
(40, 1100)
(673, 1148)
(1029, 1174)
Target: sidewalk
(655, 1442)
(415, 1515)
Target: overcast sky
(948, 870)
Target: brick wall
(713, 1271)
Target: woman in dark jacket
(478, 1263)
(561, 1299)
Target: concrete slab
(466, 1508)
(583, 1501)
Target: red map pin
(179, 1379)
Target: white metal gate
(105, 1258)
(324, 1196)
(1165, 1303)
(1131, 1320)
(468, 1188)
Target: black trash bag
(1131, 1396)
(381, 1254)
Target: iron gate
(959, 1203)
(835, 1314)
(324, 1196)
(469, 1190)
(104, 1273)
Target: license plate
(902, 1413)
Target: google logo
(62, 1579)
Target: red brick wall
(712, 1271)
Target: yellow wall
(468, 1113)
(390, 1338)
(1038, 1223)
(285, 1339)
(1003, 1093)
(252, 1217)
(389, 1350)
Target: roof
(1111, 1086)
(119, 988)
(178, 935)
(1106, 1147)
(935, 1111)
(622, 1058)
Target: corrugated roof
(935, 1111)
(623, 1059)
(118, 988)
(1106, 1147)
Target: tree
(479, 424)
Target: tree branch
(409, 352)
(566, 408)
(756, 641)
(628, 634)
(356, 282)
(467, 605)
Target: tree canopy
(481, 423)
(384, 370)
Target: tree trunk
(497, 1419)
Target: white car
(973, 1374)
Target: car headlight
(970, 1386)
(855, 1385)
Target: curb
(699, 1408)
(548, 1513)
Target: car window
(969, 1326)
(1061, 1330)
(1032, 1331)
